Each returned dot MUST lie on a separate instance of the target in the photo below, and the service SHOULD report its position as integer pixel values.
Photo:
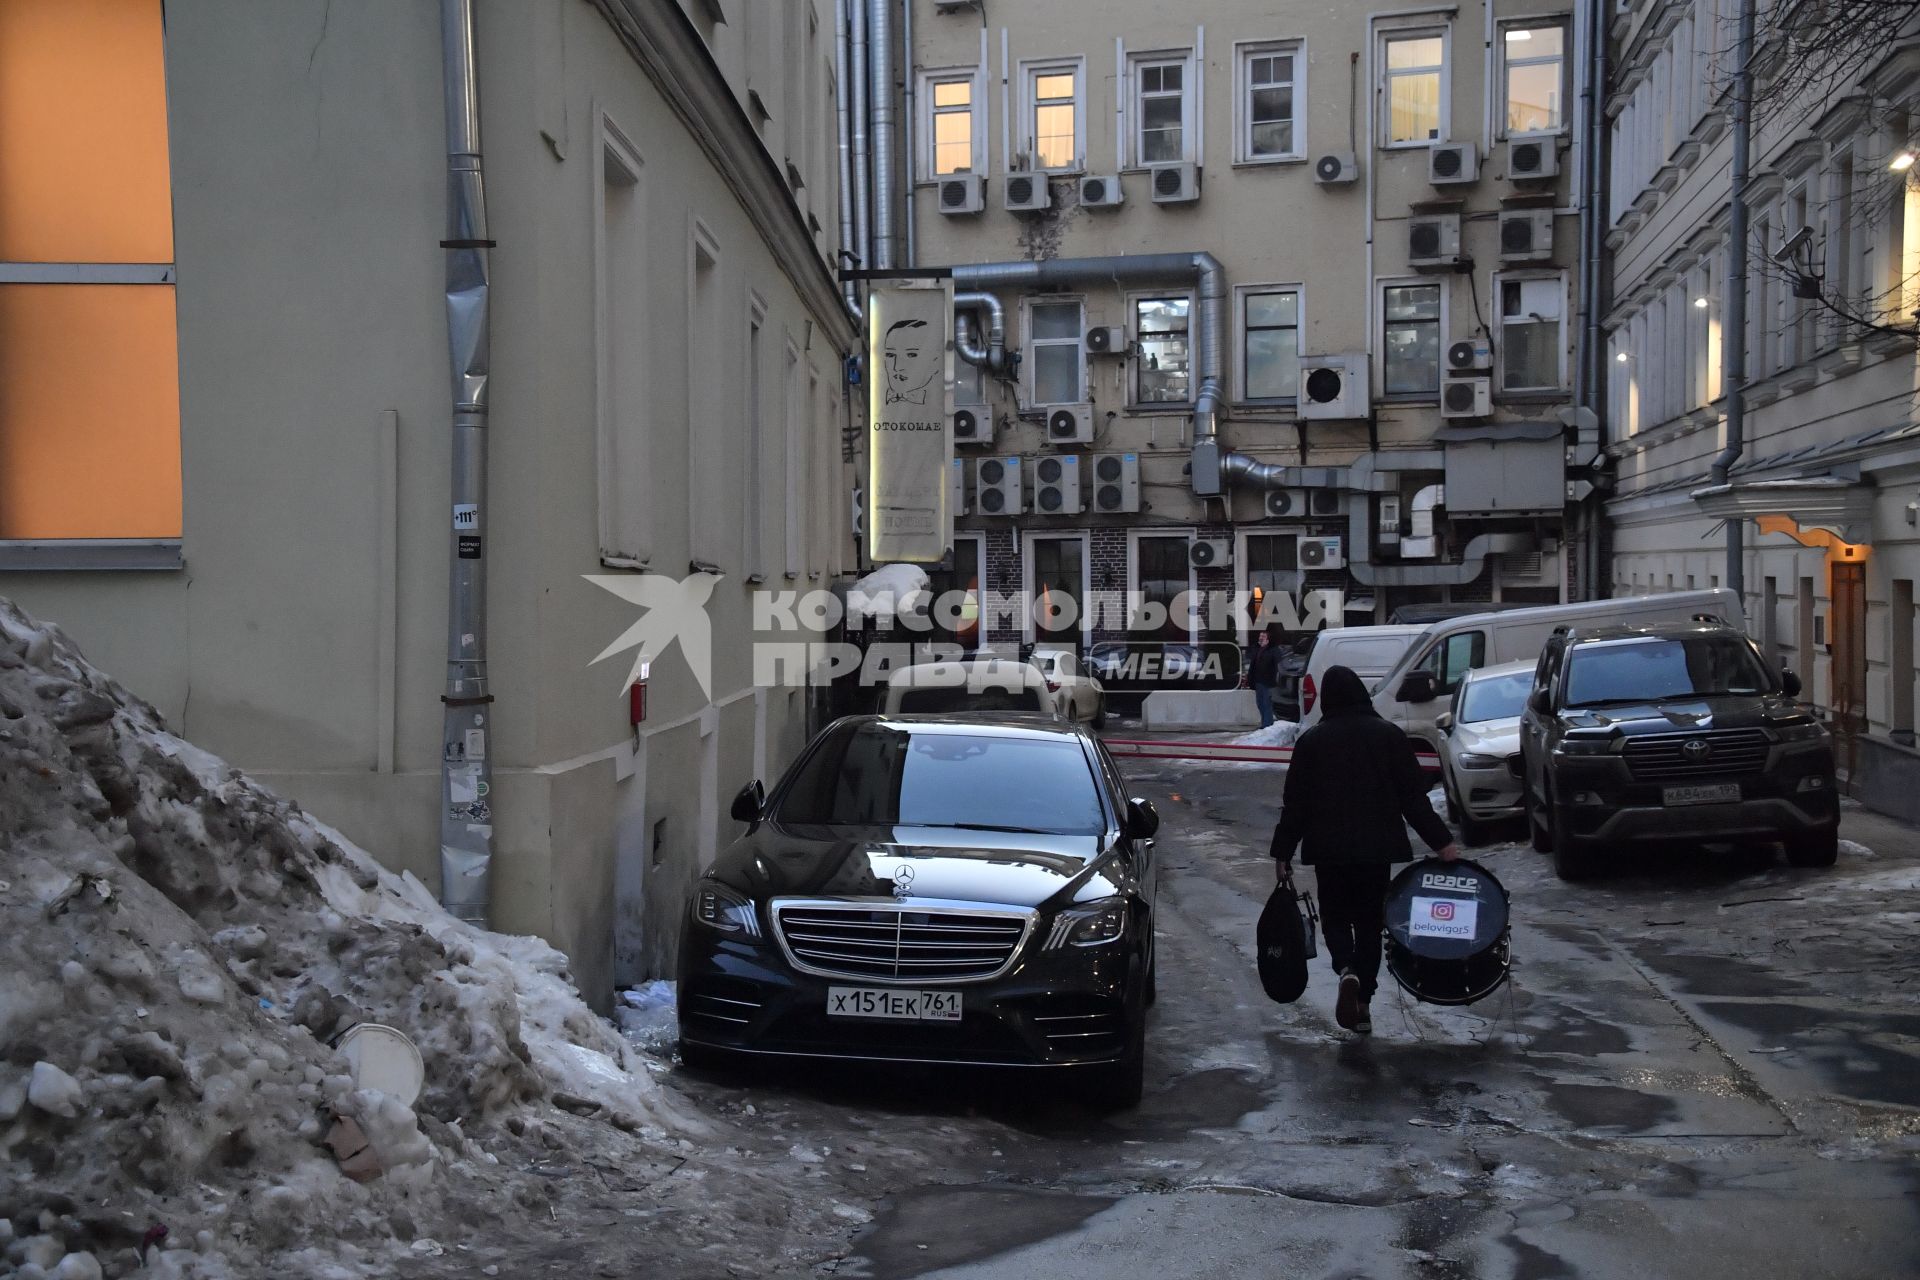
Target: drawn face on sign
(913, 362)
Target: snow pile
(648, 1016)
(1281, 733)
(180, 948)
(889, 591)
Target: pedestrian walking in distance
(1352, 790)
(1263, 672)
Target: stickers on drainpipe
(466, 517)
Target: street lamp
(1902, 162)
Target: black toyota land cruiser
(1674, 731)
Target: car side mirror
(750, 802)
(1142, 818)
(1540, 702)
(1444, 722)
(1789, 683)
(1417, 687)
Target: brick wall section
(1003, 578)
(1107, 569)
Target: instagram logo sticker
(1443, 911)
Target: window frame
(1030, 631)
(1134, 350)
(1383, 284)
(1502, 65)
(1029, 386)
(1383, 84)
(1242, 384)
(1134, 536)
(1243, 537)
(1499, 318)
(1244, 52)
(1030, 73)
(975, 81)
(1136, 105)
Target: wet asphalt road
(1707, 1065)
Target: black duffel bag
(1284, 940)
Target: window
(1414, 84)
(1532, 348)
(949, 132)
(969, 383)
(1057, 580)
(1269, 76)
(1533, 77)
(1054, 352)
(1162, 573)
(1452, 658)
(622, 313)
(1160, 109)
(1270, 343)
(752, 527)
(1053, 117)
(1161, 366)
(89, 363)
(1411, 339)
(1270, 563)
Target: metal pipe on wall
(910, 123)
(862, 178)
(880, 91)
(1733, 341)
(1597, 147)
(842, 87)
(466, 774)
(993, 349)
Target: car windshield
(1653, 668)
(887, 775)
(942, 698)
(1495, 697)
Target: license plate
(893, 1004)
(1710, 793)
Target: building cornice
(677, 60)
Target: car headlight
(1093, 925)
(1472, 761)
(719, 908)
(1584, 747)
(1801, 732)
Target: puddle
(936, 1227)
(1605, 1106)
(1718, 975)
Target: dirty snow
(1281, 733)
(181, 948)
(889, 590)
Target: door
(1847, 648)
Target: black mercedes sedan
(932, 889)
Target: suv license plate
(1712, 793)
(893, 1004)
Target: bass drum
(1448, 935)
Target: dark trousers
(1353, 915)
(1263, 699)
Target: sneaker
(1350, 1006)
(1364, 1023)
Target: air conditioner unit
(1452, 162)
(1388, 523)
(1322, 503)
(1210, 553)
(1469, 354)
(1070, 424)
(973, 424)
(1027, 192)
(1433, 240)
(962, 193)
(1101, 191)
(996, 486)
(957, 488)
(1107, 340)
(1321, 553)
(1334, 168)
(1467, 395)
(1287, 504)
(1333, 387)
(1116, 482)
(1532, 159)
(1175, 183)
(1526, 235)
(1056, 486)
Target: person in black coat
(1352, 790)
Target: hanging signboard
(909, 417)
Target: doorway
(1847, 647)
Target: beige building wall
(1267, 221)
(1824, 397)
(646, 223)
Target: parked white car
(1077, 694)
(1480, 748)
(971, 686)
(1369, 652)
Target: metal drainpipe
(1733, 340)
(910, 123)
(1597, 145)
(862, 180)
(850, 290)
(880, 87)
(466, 771)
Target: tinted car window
(878, 774)
(1642, 669)
(940, 698)
(1495, 698)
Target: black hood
(1344, 693)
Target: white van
(1421, 685)
(1371, 652)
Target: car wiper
(979, 826)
